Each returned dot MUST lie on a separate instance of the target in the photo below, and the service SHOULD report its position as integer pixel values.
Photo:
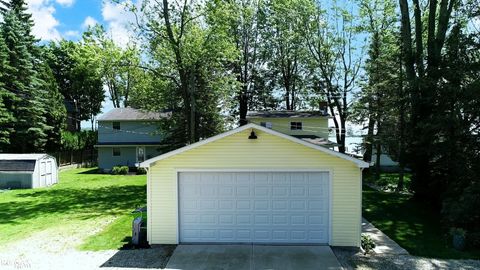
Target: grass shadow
(93, 171)
(83, 203)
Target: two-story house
(311, 126)
(127, 136)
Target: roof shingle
(131, 114)
(286, 114)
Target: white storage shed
(27, 171)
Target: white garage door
(254, 207)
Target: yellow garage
(254, 185)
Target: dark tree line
(36, 81)
(420, 100)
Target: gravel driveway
(55, 248)
(352, 259)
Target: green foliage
(189, 50)
(367, 243)
(74, 141)
(389, 181)
(56, 113)
(458, 231)
(334, 61)
(121, 68)
(6, 116)
(473, 240)
(287, 52)
(120, 170)
(27, 98)
(141, 170)
(76, 68)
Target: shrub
(367, 243)
(141, 170)
(458, 238)
(473, 240)
(123, 170)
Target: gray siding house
(127, 136)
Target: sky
(68, 19)
(57, 19)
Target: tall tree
(189, 48)
(287, 51)
(120, 68)
(331, 37)
(246, 28)
(6, 116)
(56, 114)
(422, 61)
(76, 68)
(22, 80)
(378, 21)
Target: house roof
(316, 140)
(359, 163)
(100, 144)
(131, 114)
(286, 114)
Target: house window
(116, 151)
(116, 125)
(295, 125)
(266, 124)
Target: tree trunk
(192, 85)
(401, 131)
(378, 154)
(243, 106)
(368, 144)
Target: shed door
(254, 207)
(49, 173)
(43, 174)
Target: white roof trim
(31, 156)
(359, 163)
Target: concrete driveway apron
(252, 257)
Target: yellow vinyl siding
(267, 152)
(311, 126)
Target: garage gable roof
(359, 163)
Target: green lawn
(412, 225)
(81, 198)
(389, 181)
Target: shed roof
(31, 156)
(286, 114)
(17, 165)
(131, 114)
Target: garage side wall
(267, 152)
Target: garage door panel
(225, 191)
(259, 207)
